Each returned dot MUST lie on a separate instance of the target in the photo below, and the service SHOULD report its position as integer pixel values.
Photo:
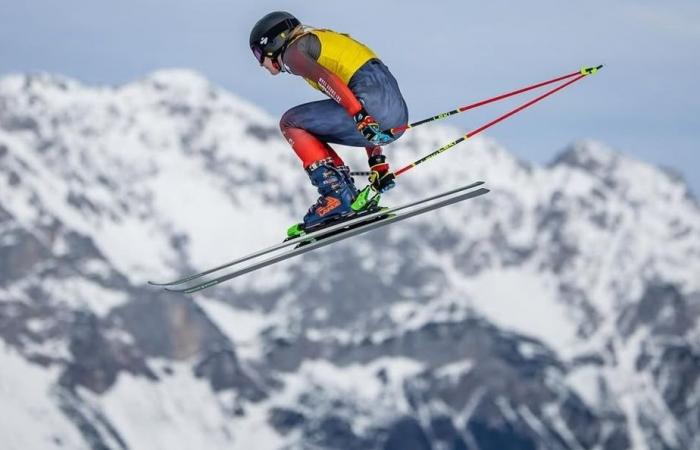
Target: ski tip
(153, 283)
(176, 282)
(195, 288)
(177, 291)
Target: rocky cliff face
(560, 311)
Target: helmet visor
(258, 53)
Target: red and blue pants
(310, 127)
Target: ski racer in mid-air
(364, 100)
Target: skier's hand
(370, 128)
(380, 178)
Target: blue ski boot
(345, 171)
(337, 194)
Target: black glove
(370, 128)
(380, 178)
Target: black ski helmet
(269, 36)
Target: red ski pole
(581, 74)
(462, 109)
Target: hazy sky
(445, 54)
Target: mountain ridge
(529, 318)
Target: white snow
(29, 415)
(179, 411)
(241, 326)
(525, 303)
(456, 369)
(78, 293)
(585, 381)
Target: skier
(364, 100)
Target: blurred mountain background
(560, 311)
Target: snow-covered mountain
(560, 311)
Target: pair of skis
(323, 237)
